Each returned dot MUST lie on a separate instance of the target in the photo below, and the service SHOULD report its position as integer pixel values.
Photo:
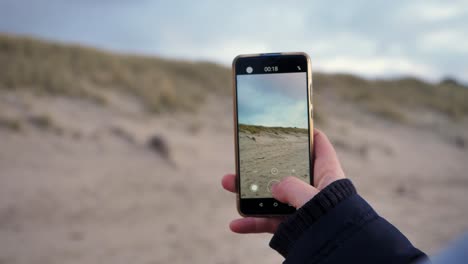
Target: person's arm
(333, 224)
(338, 226)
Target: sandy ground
(267, 157)
(86, 188)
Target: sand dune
(269, 156)
(84, 186)
(95, 167)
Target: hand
(291, 190)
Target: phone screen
(272, 125)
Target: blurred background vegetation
(73, 70)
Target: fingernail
(274, 186)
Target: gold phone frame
(311, 120)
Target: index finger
(229, 182)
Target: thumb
(293, 191)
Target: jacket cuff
(295, 225)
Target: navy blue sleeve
(338, 226)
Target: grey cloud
(217, 30)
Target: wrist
(295, 225)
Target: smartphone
(273, 123)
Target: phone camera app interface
(272, 130)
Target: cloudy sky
(273, 99)
(372, 38)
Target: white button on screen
(254, 187)
(274, 171)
